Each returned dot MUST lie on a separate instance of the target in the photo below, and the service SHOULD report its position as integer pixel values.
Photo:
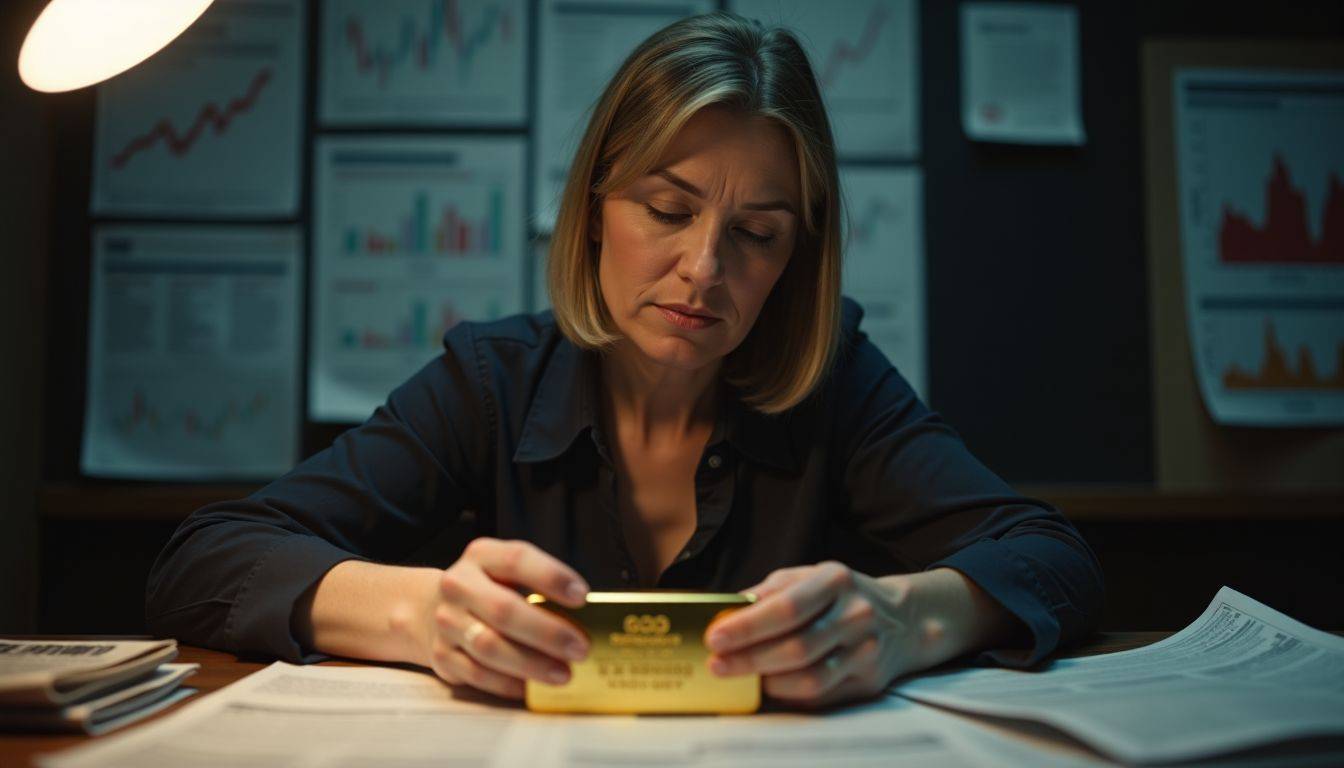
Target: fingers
(845, 676)
(506, 612)
(487, 635)
(777, 580)
(792, 606)
(523, 564)
(845, 622)
(498, 653)
(456, 667)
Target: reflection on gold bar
(647, 654)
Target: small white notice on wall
(1019, 73)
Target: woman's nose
(702, 263)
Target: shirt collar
(565, 405)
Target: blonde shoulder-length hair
(715, 58)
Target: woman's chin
(676, 351)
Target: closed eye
(675, 218)
(665, 217)
(755, 238)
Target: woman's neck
(652, 402)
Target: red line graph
(842, 52)
(211, 115)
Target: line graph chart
(866, 54)
(422, 48)
(211, 116)
(844, 53)
(423, 62)
(884, 263)
(210, 126)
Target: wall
(1037, 319)
(25, 169)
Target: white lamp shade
(76, 43)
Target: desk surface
(218, 669)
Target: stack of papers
(89, 686)
(1242, 675)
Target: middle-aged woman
(700, 410)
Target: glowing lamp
(76, 43)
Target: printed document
(317, 716)
(1020, 73)
(1242, 675)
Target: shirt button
(685, 555)
(715, 461)
(625, 574)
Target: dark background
(1038, 341)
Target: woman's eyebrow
(769, 205)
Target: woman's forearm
(370, 611)
(954, 615)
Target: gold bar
(647, 655)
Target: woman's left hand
(824, 634)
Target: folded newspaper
(108, 711)
(1241, 676)
(56, 673)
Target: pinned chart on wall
(1260, 170)
(211, 125)
(411, 236)
(193, 369)
(865, 56)
(884, 264)
(1020, 77)
(424, 62)
(582, 46)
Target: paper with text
(1242, 675)
(1020, 73)
(324, 717)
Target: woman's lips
(683, 317)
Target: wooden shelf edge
(1129, 503)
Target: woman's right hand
(483, 633)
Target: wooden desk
(218, 669)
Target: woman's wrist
(370, 611)
(951, 614)
(410, 621)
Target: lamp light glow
(76, 43)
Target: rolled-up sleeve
(231, 573)
(916, 492)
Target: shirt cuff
(260, 619)
(1008, 578)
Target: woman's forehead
(754, 152)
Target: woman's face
(690, 252)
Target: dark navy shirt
(504, 425)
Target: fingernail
(718, 666)
(717, 639)
(576, 591)
(574, 650)
(557, 676)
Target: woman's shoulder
(508, 354)
(519, 340)
(857, 357)
(861, 373)
(526, 329)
